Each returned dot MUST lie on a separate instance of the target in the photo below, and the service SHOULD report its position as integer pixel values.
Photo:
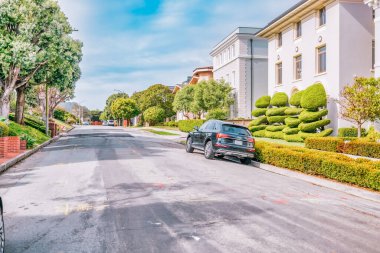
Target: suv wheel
(209, 151)
(2, 232)
(189, 145)
(246, 161)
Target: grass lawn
(160, 132)
(278, 141)
(167, 127)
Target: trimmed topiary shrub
(331, 144)
(314, 97)
(259, 121)
(263, 102)
(274, 135)
(259, 112)
(293, 111)
(257, 128)
(307, 116)
(279, 99)
(260, 133)
(350, 132)
(290, 131)
(292, 122)
(275, 128)
(293, 138)
(295, 99)
(276, 111)
(276, 119)
(324, 133)
(312, 127)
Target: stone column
(375, 5)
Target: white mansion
(328, 41)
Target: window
(279, 40)
(321, 59)
(373, 54)
(279, 73)
(298, 29)
(233, 50)
(322, 16)
(298, 67)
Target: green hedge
(307, 116)
(263, 102)
(279, 99)
(32, 122)
(27, 132)
(292, 122)
(188, 125)
(331, 144)
(361, 172)
(4, 129)
(290, 131)
(324, 133)
(350, 132)
(295, 99)
(314, 97)
(293, 138)
(259, 112)
(257, 128)
(259, 121)
(276, 119)
(293, 111)
(312, 127)
(260, 133)
(276, 111)
(275, 128)
(274, 135)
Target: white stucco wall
(348, 36)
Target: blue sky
(132, 44)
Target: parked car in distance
(2, 228)
(218, 138)
(110, 122)
(86, 123)
(105, 123)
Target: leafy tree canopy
(124, 108)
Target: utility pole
(47, 109)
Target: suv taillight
(222, 136)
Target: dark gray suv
(219, 138)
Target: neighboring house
(320, 41)
(241, 60)
(199, 74)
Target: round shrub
(293, 111)
(293, 138)
(4, 129)
(279, 99)
(324, 133)
(295, 99)
(263, 102)
(307, 116)
(257, 128)
(276, 111)
(276, 119)
(290, 131)
(274, 135)
(260, 133)
(154, 115)
(219, 114)
(275, 128)
(259, 121)
(314, 97)
(259, 112)
(312, 127)
(292, 122)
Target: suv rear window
(232, 129)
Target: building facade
(241, 59)
(327, 41)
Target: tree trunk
(20, 105)
(5, 103)
(359, 131)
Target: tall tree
(360, 102)
(183, 100)
(55, 97)
(124, 108)
(27, 29)
(107, 112)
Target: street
(104, 189)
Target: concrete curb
(5, 166)
(341, 187)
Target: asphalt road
(109, 190)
